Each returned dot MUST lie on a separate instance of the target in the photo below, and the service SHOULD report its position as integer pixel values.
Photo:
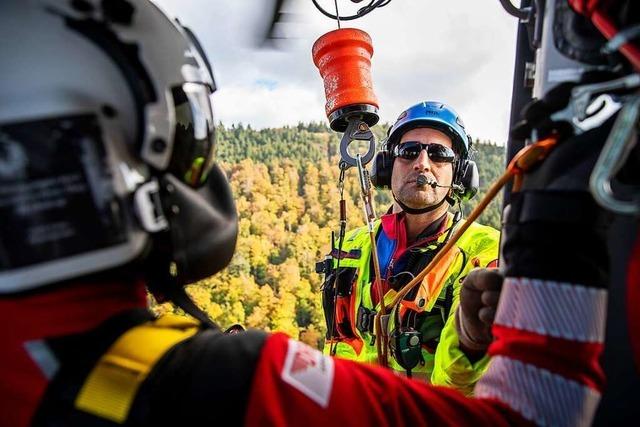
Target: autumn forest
(285, 183)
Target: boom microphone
(422, 181)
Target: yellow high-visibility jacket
(351, 311)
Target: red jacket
(549, 376)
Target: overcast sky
(456, 51)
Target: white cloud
(457, 51)
(262, 107)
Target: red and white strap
(540, 327)
(560, 310)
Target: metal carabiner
(620, 142)
(357, 130)
(583, 96)
(365, 189)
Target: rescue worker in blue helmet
(425, 161)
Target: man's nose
(422, 162)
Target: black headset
(466, 178)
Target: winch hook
(357, 130)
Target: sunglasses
(410, 150)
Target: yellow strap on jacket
(112, 385)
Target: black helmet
(106, 146)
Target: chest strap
(112, 385)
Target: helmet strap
(165, 286)
(178, 296)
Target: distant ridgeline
(285, 182)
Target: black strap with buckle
(365, 320)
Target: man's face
(405, 172)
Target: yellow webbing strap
(113, 383)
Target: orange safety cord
(343, 58)
(524, 160)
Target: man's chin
(418, 204)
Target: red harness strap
(633, 302)
(598, 12)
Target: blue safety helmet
(434, 115)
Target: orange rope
(493, 191)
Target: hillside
(285, 182)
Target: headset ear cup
(468, 179)
(381, 170)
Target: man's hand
(478, 303)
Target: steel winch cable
(370, 217)
(343, 226)
(373, 4)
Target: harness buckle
(577, 111)
(324, 266)
(365, 320)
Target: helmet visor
(194, 141)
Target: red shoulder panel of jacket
(297, 385)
